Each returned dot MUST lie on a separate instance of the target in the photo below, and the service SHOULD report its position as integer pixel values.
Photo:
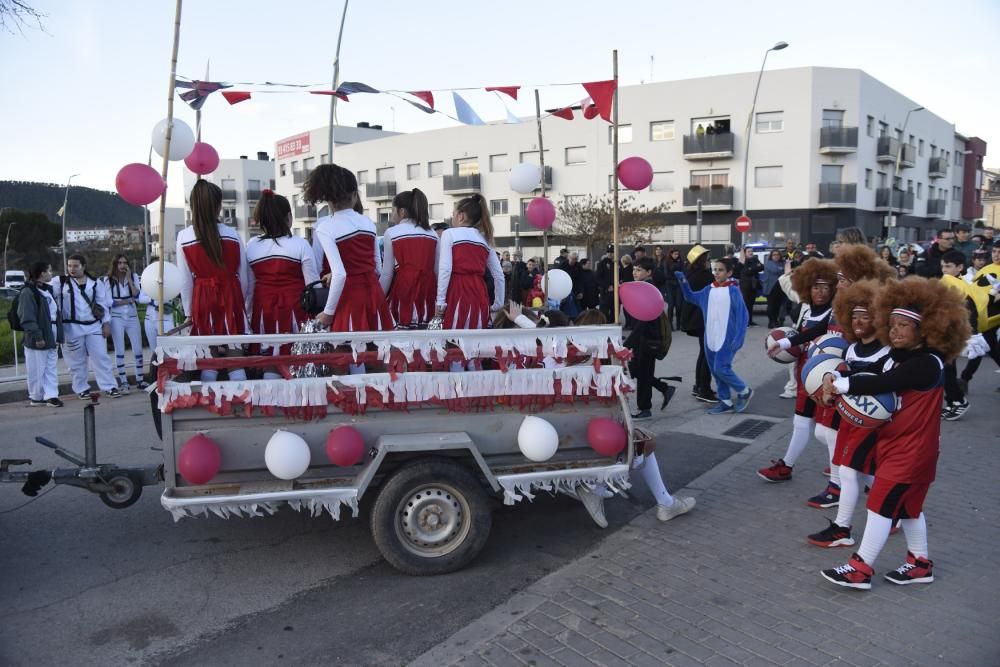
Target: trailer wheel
(125, 491)
(431, 517)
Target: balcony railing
(936, 208)
(228, 195)
(381, 191)
(299, 177)
(908, 157)
(717, 197)
(253, 195)
(547, 173)
(937, 167)
(708, 146)
(901, 200)
(458, 185)
(306, 211)
(886, 149)
(838, 194)
(834, 140)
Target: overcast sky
(83, 96)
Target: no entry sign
(743, 223)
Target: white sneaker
(594, 505)
(787, 394)
(123, 386)
(682, 505)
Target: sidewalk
(14, 388)
(735, 582)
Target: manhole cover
(749, 429)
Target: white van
(13, 279)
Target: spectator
(964, 243)
(905, 259)
(675, 300)
(699, 131)
(885, 252)
(571, 304)
(811, 251)
(750, 281)
(638, 253)
(710, 129)
(928, 265)
(42, 324)
(792, 252)
(589, 295)
(698, 276)
(988, 237)
(777, 302)
(605, 282)
(520, 278)
(562, 259)
(625, 270)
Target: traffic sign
(743, 223)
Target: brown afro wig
(944, 323)
(861, 294)
(859, 262)
(807, 273)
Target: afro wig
(944, 324)
(859, 262)
(809, 272)
(861, 294)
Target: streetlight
(6, 242)
(895, 174)
(63, 211)
(749, 132)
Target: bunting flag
(235, 96)
(196, 92)
(603, 95)
(332, 93)
(565, 112)
(589, 110)
(506, 90)
(350, 87)
(465, 113)
(418, 105)
(426, 95)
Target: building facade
(167, 249)
(242, 181)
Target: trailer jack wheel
(125, 491)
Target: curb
(17, 391)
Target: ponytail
(476, 210)
(414, 202)
(206, 204)
(272, 213)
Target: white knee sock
(209, 375)
(654, 482)
(800, 438)
(849, 492)
(357, 369)
(915, 531)
(830, 436)
(876, 533)
(237, 374)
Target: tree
(589, 221)
(18, 14)
(30, 239)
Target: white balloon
(150, 281)
(525, 177)
(181, 139)
(537, 439)
(287, 455)
(560, 284)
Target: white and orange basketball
(816, 369)
(866, 411)
(789, 356)
(829, 343)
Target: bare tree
(589, 222)
(19, 14)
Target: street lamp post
(895, 175)
(6, 242)
(65, 202)
(749, 130)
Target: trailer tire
(431, 517)
(127, 489)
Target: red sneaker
(855, 574)
(777, 472)
(913, 571)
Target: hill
(88, 208)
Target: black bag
(314, 297)
(13, 318)
(95, 308)
(666, 336)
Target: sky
(82, 96)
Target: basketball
(866, 411)
(829, 344)
(815, 369)
(788, 356)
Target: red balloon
(199, 460)
(139, 184)
(606, 436)
(635, 173)
(345, 446)
(204, 159)
(641, 300)
(541, 213)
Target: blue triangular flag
(465, 112)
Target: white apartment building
(823, 154)
(174, 217)
(87, 235)
(241, 182)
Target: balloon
(150, 281)
(560, 284)
(635, 173)
(199, 460)
(606, 436)
(541, 213)
(641, 300)
(204, 159)
(181, 139)
(525, 177)
(345, 446)
(287, 455)
(537, 439)
(139, 184)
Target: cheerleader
(213, 266)
(927, 325)
(281, 265)
(409, 276)
(344, 245)
(122, 284)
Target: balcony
(299, 177)
(228, 195)
(908, 158)
(305, 211)
(708, 146)
(461, 185)
(715, 198)
(547, 172)
(937, 208)
(838, 140)
(838, 195)
(382, 191)
(886, 150)
(253, 195)
(937, 167)
(901, 201)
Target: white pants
(153, 331)
(92, 347)
(119, 327)
(43, 382)
(793, 379)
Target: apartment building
(174, 222)
(241, 180)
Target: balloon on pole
(635, 173)
(181, 139)
(541, 213)
(203, 159)
(525, 177)
(172, 281)
(560, 284)
(139, 184)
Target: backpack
(661, 347)
(13, 318)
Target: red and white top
(409, 272)
(345, 246)
(213, 296)
(279, 271)
(463, 258)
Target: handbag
(95, 308)
(314, 297)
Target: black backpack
(661, 348)
(13, 319)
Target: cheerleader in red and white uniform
(464, 255)
(213, 266)
(409, 275)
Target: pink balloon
(541, 213)
(606, 436)
(139, 184)
(635, 173)
(204, 159)
(199, 460)
(345, 446)
(641, 300)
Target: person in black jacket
(41, 320)
(589, 295)
(674, 263)
(928, 264)
(605, 282)
(693, 323)
(642, 341)
(750, 281)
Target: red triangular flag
(603, 93)
(589, 110)
(565, 112)
(506, 90)
(235, 96)
(426, 95)
(341, 96)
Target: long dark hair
(206, 204)
(414, 202)
(271, 213)
(113, 268)
(331, 183)
(475, 209)
(36, 270)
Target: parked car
(13, 278)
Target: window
(913, 140)
(385, 174)
(920, 148)
(229, 216)
(577, 200)
(883, 129)
(466, 166)
(768, 177)
(576, 155)
(882, 180)
(281, 169)
(870, 126)
(933, 150)
(661, 130)
(899, 135)
(413, 171)
(228, 185)
(498, 207)
(711, 233)
(524, 206)
(324, 159)
(920, 190)
(253, 187)
(499, 162)
(956, 193)
(295, 166)
(436, 211)
(532, 156)
(435, 168)
(362, 177)
(909, 185)
(624, 134)
(308, 163)
(663, 181)
(868, 179)
(959, 158)
(770, 121)
(833, 118)
(710, 179)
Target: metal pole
(541, 162)
(6, 242)
(166, 142)
(614, 181)
(336, 83)
(65, 203)
(698, 221)
(145, 235)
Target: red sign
(743, 223)
(292, 146)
